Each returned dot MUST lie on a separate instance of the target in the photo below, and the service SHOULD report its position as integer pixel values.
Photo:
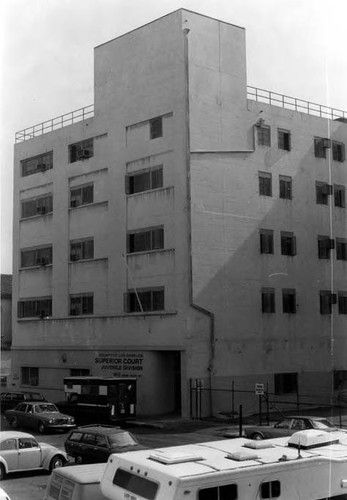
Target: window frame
(81, 195)
(81, 150)
(341, 249)
(40, 307)
(80, 249)
(289, 301)
(323, 192)
(266, 241)
(156, 127)
(319, 148)
(152, 239)
(44, 161)
(264, 135)
(338, 151)
(147, 297)
(284, 139)
(339, 196)
(325, 245)
(152, 178)
(39, 206)
(288, 243)
(37, 256)
(30, 379)
(265, 183)
(285, 187)
(81, 304)
(342, 302)
(326, 300)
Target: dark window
(37, 206)
(36, 257)
(284, 140)
(325, 244)
(268, 300)
(35, 308)
(326, 299)
(82, 250)
(289, 300)
(339, 196)
(37, 164)
(341, 249)
(30, 375)
(79, 372)
(225, 492)
(81, 195)
(145, 240)
(81, 150)
(138, 485)
(285, 187)
(264, 135)
(342, 300)
(145, 300)
(265, 184)
(156, 127)
(320, 147)
(288, 243)
(338, 151)
(266, 241)
(144, 181)
(323, 190)
(286, 383)
(271, 489)
(81, 304)
(340, 379)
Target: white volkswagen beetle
(19, 451)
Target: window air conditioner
(43, 261)
(74, 203)
(74, 257)
(326, 143)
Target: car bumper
(60, 426)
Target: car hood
(52, 414)
(122, 449)
(48, 447)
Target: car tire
(56, 462)
(14, 423)
(78, 460)
(2, 472)
(41, 427)
(257, 436)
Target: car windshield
(122, 439)
(43, 408)
(323, 424)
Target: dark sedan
(288, 426)
(39, 416)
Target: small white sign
(259, 389)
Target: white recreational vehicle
(311, 465)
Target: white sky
(294, 47)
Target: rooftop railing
(285, 101)
(75, 116)
(254, 93)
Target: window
(141, 486)
(81, 150)
(270, 489)
(265, 184)
(268, 300)
(289, 300)
(79, 372)
(36, 257)
(320, 147)
(326, 299)
(34, 308)
(323, 190)
(266, 241)
(342, 301)
(82, 249)
(284, 139)
(325, 244)
(37, 206)
(339, 196)
(156, 127)
(37, 164)
(81, 195)
(144, 180)
(338, 151)
(340, 379)
(264, 135)
(341, 249)
(81, 304)
(225, 492)
(288, 243)
(145, 300)
(30, 375)
(286, 383)
(145, 240)
(285, 187)
(8, 444)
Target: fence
(263, 406)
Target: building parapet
(295, 104)
(253, 93)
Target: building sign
(259, 389)
(120, 364)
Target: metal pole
(259, 410)
(240, 421)
(267, 405)
(232, 400)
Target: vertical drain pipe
(187, 148)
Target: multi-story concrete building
(186, 226)
(6, 328)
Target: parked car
(10, 399)
(95, 443)
(4, 495)
(82, 482)
(39, 416)
(288, 426)
(19, 451)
